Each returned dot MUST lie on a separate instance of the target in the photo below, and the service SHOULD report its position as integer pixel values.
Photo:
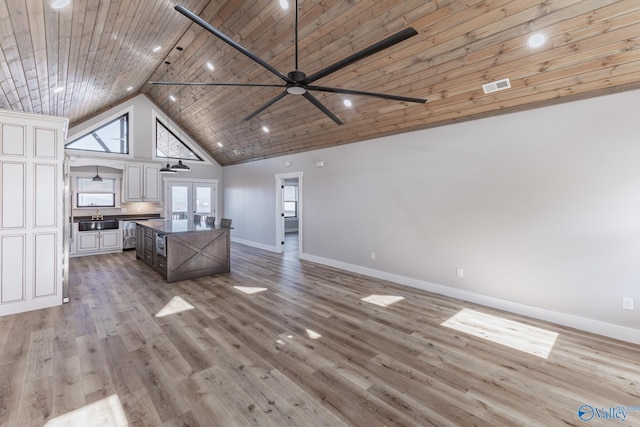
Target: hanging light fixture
(180, 167)
(97, 178)
(167, 169)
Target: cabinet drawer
(148, 257)
(161, 266)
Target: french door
(184, 199)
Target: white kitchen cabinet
(141, 183)
(31, 211)
(98, 241)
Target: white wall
(142, 130)
(540, 208)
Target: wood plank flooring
(305, 352)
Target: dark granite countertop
(170, 226)
(124, 217)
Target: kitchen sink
(105, 224)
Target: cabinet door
(133, 180)
(140, 242)
(88, 241)
(110, 239)
(151, 183)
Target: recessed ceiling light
(172, 98)
(284, 4)
(220, 144)
(347, 103)
(58, 89)
(157, 48)
(236, 151)
(210, 66)
(265, 129)
(130, 88)
(59, 4)
(537, 40)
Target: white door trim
(280, 177)
(167, 182)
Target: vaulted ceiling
(102, 52)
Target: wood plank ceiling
(101, 52)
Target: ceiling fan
(296, 82)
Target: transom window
(169, 146)
(112, 137)
(96, 194)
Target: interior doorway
(289, 213)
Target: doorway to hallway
(289, 213)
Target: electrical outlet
(373, 255)
(460, 272)
(627, 303)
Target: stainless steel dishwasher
(128, 235)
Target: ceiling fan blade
(374, 48)
(322, 108)
(265, 106)
(213, 30)
(375, 94)
(214, 84)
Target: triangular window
(112, 137)
(169, 146)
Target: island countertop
(171, 226)
(180, 249)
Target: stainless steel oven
(161, 245)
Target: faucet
(97, 216)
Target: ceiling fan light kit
(297, 82)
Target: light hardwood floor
(307, 351)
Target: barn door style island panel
(183, 249)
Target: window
(96, 194)
(290, 200)
(112, 137)
(169, 146)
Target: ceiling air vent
(496, 86)
(236, 151)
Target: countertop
(124, 217)
(169, 226)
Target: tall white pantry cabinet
(31, 211)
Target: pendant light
(167, 169)
(180, 167)
(97, 178)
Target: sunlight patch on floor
(519, 336)
(106, 412)
(313, 335)
(176, 305)
(249, 290)
(382, 300)
(281, 342)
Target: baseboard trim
(577, 322)
(255, 245)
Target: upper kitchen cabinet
(141, 183)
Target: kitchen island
(183, 249)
